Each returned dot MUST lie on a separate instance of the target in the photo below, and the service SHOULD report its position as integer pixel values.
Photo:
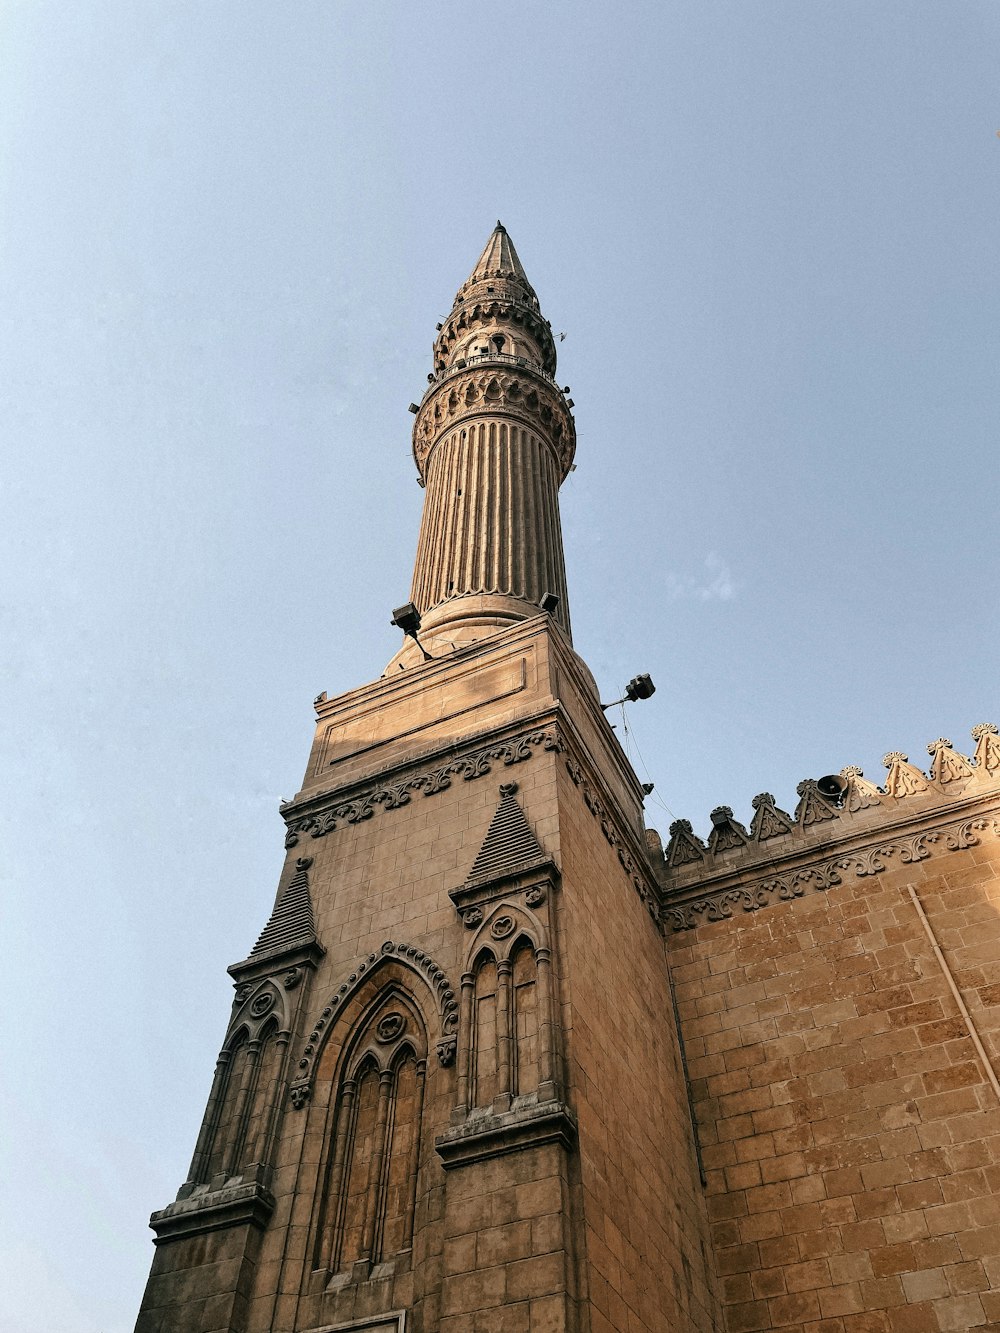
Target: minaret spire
(493, 439)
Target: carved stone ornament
(614, 838)
(862, 862)
(507, 304)
(292, 978)
(446, 1049)
(861, 794)
(300, 1094)
(987, 739)
(684, 848)
(517, 392)
(768, 821)
(813, 807)
(473, 917)
(389, 1027)
(727, 834)
(422, 963)
(502, 927)
(262, 1004)
(364, 804)
(903, 779)
(242, 991)
(534, 896)
(947, 765)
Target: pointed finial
(499, 226)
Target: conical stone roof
(499, 260)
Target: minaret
(493, 439)
(450, 1097)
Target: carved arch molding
(372, 1157)
(523, 396)
(240, 1119)
(419, 962)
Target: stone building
(498, 1062)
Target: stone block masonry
(849, 1123)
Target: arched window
(262, 1097)
(249, 1090)
(484, 1083)
(226, 1118)
(524, 994)
(373, 1156)
(503, 1053)
(360, 1104)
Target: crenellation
(915, 817)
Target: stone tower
(450, 1098)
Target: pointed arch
(234, 1067)
(253, 1133)
(371, 1076)
(484, 1058)
(508, 1033)
(506, 922)
(524, 1018)
(415, 962)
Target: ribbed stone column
(491, 520)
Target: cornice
(836, 808)
(495, 386)
(906, 841)
(618, 834)
(234, 1205)
(494, 1135)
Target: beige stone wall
(508, 1264)
(387, 878)
(851, 1135)
(646, 1246)
(570, 1204)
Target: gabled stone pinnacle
(291, 925)
(509, 845)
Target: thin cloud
(717, 584)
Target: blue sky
(227, 231)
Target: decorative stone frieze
(520, 393)
(915, 817)
(614, 834)
(907, 791)
(859, 862)
(325, 814)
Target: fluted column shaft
(491, 518)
